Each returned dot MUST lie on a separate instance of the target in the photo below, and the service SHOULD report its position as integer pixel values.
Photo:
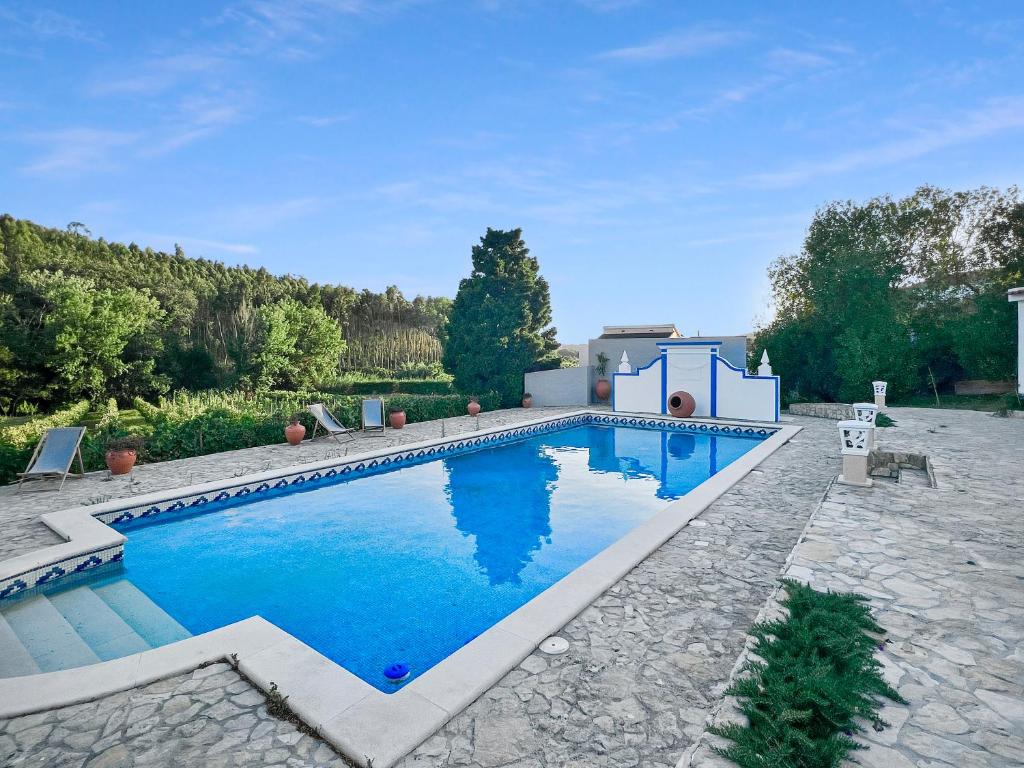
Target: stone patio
(649, 660)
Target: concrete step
(97, 624)
(48, 637)
(15, 660)
(149, 620)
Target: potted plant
(396, 417)
(122, 453)
(527, 400)
(603, 387)
(474, 406)
(295, 431)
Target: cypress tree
(499, 327)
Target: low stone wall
(834, 411)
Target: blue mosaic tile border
(294, 481)
(47, 574)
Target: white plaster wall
(640, 393)
(1020, 344)
(740, 398)
(560, 386)
(689, 369)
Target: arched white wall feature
(718, 388)
(624, 366)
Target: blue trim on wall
(714, 384)
(746, 375)
(690, 343)
(664, 382)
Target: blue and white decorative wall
(719, 389)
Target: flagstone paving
(944, 570)
(649, 660)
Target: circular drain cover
(555, 646)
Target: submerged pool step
(102, 629)
(149, 620)
(80, 626)
(15, 660)
(47, 636)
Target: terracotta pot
(473, 408)
(396, 419)
(120, 462)
(294, 433)
(603, 389)
(527, 402)
(681, 404)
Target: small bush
(884, 420)
(817, 681)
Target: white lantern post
(880, 387)
(1017, 295)
(854, 437)
(867, 412)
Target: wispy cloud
(684, 43)
(44, 24)
(322, 121)
(270, 214)
(77, 150)
(158, 74)
(995, 117)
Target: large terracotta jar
(473, 408)
(121, 462)
(294, 433)
(681, 404)
(603, 389)
(396, 419)
(527, 400)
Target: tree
(296, 346)
(499, 323)
(96, 341)
(905, 290)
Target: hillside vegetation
(86, 318)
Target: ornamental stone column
(1017, 295)
(854, 437)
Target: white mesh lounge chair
(54, 455)
(325, 419)
(373, 415)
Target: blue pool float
(396, 673)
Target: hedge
(392, 386)
(18, 442)
(180, 430)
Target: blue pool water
(409, 565)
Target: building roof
(663, 331)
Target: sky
(657, 155)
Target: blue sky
(658, 156)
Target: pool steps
(81, 626)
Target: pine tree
(499, 324)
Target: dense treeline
(83, 317)
(912, 291)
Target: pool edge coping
(360, 721)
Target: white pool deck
(364, 724)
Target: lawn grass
(813, 682)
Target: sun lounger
(54, 454)
(325, 419)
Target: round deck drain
(554, 646)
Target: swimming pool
(405, 566)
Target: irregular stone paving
(646, 661)
(20, 510)
(944, 569)
(650, 657)
(210, 718)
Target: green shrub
(391, 386)
(17, 442)
(817, 680)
